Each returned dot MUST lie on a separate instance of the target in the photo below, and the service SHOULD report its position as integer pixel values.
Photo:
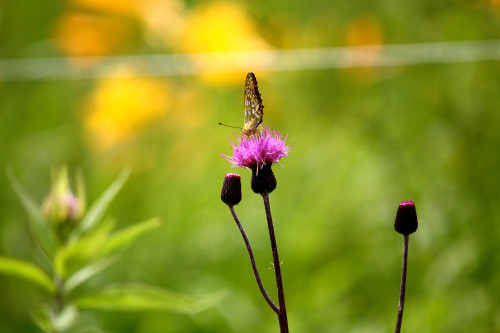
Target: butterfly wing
(254, 109)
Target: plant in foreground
(405, 223)
(79, 245)
(258, 153)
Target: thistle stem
(402, 291)
(252, 261)
(283, 321)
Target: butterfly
(254, 109)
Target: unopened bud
(61, 205)
(231, 189)
(406, 218)
(263, 180)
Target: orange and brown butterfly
(254, 109)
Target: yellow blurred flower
(130, 8)
(83, 34)
(119, 107)
(165, 21)
(364, 30)
(494, 5)
(221, 27)
(103, 27)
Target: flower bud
(231, 189)
(61, 205)
(406, 218)
(263, 180)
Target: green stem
(57, 301)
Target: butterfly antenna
(230, 126)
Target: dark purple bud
(406, 218)
(263, 180)
(231, 189)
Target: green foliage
(38, 226)
(124, 238)
(26, 271)
(135, 297)
(55, 322)
(92, 248)
(97, 210)
(86, 273)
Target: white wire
(234, 62)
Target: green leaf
(86, 273)
(87, 249)
(96, 244)
(138, 297)
(50, 322)
(42, 316)
(39, 229)
(81, 194)
(65, 319)
(125, 237)
(27, 271)
(97, 210)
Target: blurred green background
(364, 140)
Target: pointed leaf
(38, 227)
(86, 273)
(65, 319)
(124, 238)
(50, 322)
(42, 316)
(96, 244)
(97, 210)
(138, 297)
(87, 249)
(26, 271)
(81, 193)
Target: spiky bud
(263, 180)
(231, 189)
(406, 218)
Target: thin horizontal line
(163, 65)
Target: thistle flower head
(406, 218)
(265, 148)
(263, 179)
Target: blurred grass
(364, 139)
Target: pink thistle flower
(265, 148)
